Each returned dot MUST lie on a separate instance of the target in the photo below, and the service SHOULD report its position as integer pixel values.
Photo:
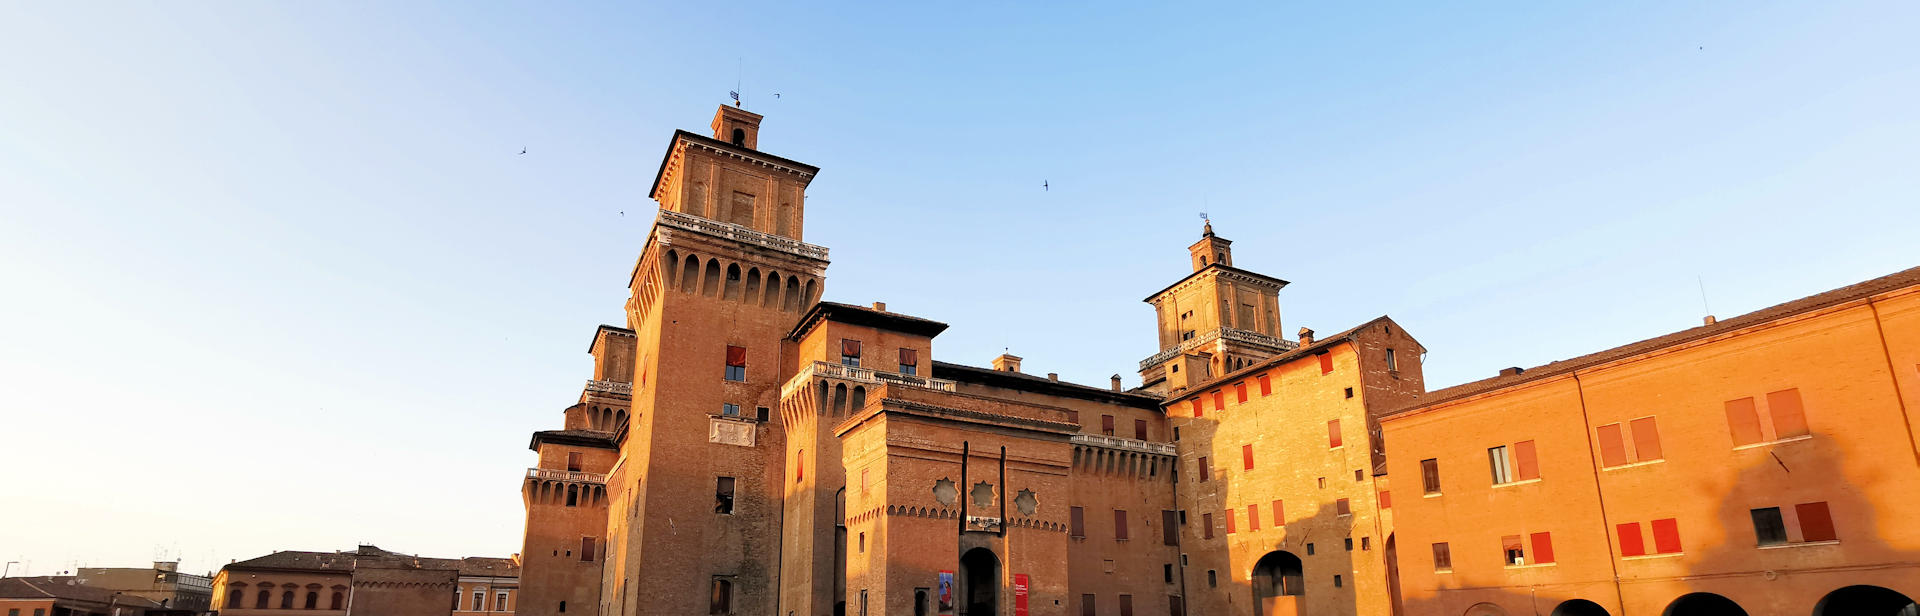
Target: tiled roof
(1319, 344)
(861, 315)
(479, 565)
(583, 438)
(66, 587)
(374, 557)
(1842, 295)
(1039, 384)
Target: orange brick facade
(745, 448)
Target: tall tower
(566, 493)
(1216, 320)
(696, 491)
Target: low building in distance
(65, 595)
(163, 583)
(367, 581)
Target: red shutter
(1542, 548)
(1266, 385)
(1240, 391)
(1219, 399)
(1197, 411)
(1076, 522)
(909, 357)
(1106, 425)
(1613, 450)
(1206, 525)
(1630, 543)
(1279, 514)
(1386, 499)
(1120, 524)
(1333, 433)
(1229, 514)
(1246, 456)
(1342, 507)
(1326, 363)
(1743, 422)
(736, 356)
(1666, 536)
(1169, 528)
(1203, 468)
(1816, 523)
(1140, 429)
(1789, 419)
(1253, 517)
(849, 347)
(799, 466)
(1646, 440)
(1523, 459)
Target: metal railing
(1125, 444)
(861, 375)
(550, 474)
(610, 387)
(736, 232)
(1237, 335)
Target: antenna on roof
(1709, 320)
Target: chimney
(1306, 336)
(1710, 320)
(1053, 376)
(880, 306)
(162, 565)
(1512, 371)
(1006, 363)
(1116, 382)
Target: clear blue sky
(276, 278)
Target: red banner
(1019, 594)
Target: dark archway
(1865, 601)
(1579, 607)
(1398, 603)
(1278, 577)
(980, 583)
(1703, 604)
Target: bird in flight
(1044, 187)
(523, 150)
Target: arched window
(1278, 574)
(859, 399)
(710, 283)
(733, 282)
(261, 600)
(313, 600)
(236, 598)
(793, 295)
(337, 597)
(672, 266)
(573, 495)
(286, 600)
(690, 275)
(740, 137)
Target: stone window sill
(1801, 544)
(1517, 483)
(1790, 439)
(1653, 556)
(1532, 566)
(1634, 464)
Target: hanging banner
(946, 593)
(1019, 594)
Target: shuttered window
(1126, 605)
(1789, 419)
(1229, 514)
(1333, 433)
(1140, 429)
(1430, 475)
(1246, 457)
(1442, 557)
(1206, 526)
(1240, 391)
(1613, 448)
(1087, 606)
(1525, 465)
(1342, 507)
(1076, 522)
(1279, 514)
(1386, 499)
(1666, 536)
(1630, 541)
(1120, 525)
(1266, 385)
(1326, 363)
(736, 363)
(1106, 425)
(1204, 472)
(586, 549)
(1542, 548)
(1253, 517)
(1219, 399)
(1646, 440)
(1169, 528)
(1197, 411)
(1816, 523)
(1743, 421)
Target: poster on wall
(1019, 594)
(946, 593)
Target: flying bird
(776, 95)
(1044, 187)
(523, 150)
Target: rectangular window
(1743, 421)
(849, 352)
(1230, 516)
(761, 414)
(1126, 605)
(1349, 544)
(1666, 536)
(479, 599)
(1342, 507)
(1326, 363)
(1219, 399)
(1206, 526)
(1386, 499)
(1336, 579)
(500, 601)
(1140, 429)
(1646, 440)
(1789, 419)
(1087, 607)
(1176, 433)
(1106, 425)
(1525, 465)
(1430, 475)
(1197, 411)
(1349, 393)
(1333, 433)
(720, 600)
(1497, 463)
(729, 410)
(1240, 391)
(1076, 522)
(1542, 547)
(1246, 457)
(1630, 541)
(573, 461)
(1169, 528)
(1512, 552)
(799, 465)
(1266, 385)
(909, 361)
(1213, 580)
(736, 363)
(723, 495)
(1613, 448)
(1253, 517)
(1768, 527)
(1120, 525)
(1279, 514)
(1166, 573)
(1392, 363)
(1816, 523)
(586, 549)
(1203, 468)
